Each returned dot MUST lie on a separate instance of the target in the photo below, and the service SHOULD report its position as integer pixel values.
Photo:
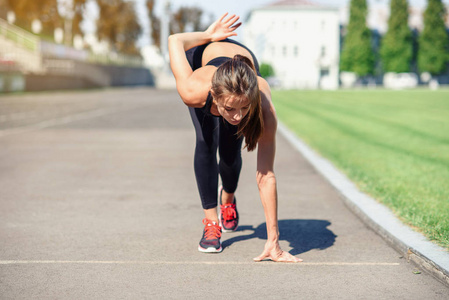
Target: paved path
(98, 200)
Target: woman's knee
(231, 162)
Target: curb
(412, 245)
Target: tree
(186, 16)
(28, 10)
(129, 31)
(397, 45)
(357, 55)
(24, 11)
(118, 25)
(179, 21)
(155, 24)
(4, 8)
(79, 8)
(49, 16)
(73, 14)
(433, 42)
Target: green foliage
(433, 53)
(266, 70)
(393, 144)
(357, 54)
(397, 45)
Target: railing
(115, 59)
(52, 50)
(18, 35)
(33, 43)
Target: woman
(218, 80)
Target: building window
(324, 72)
(295, 51)
(284, 51)
(273, 50)
(323, 51)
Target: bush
(266, 70)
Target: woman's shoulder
(264, 87)
(268, 110)
(194, 91)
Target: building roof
(294, 5)
(297, 5)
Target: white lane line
(67, 119)
(149, 262)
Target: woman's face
(233, 109)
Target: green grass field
(393, 144)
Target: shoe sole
(228, 230)
(210, 249)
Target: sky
(215, 8)
(243, 7)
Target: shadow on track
(303, 235)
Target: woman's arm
(266, 180)
(194, 86)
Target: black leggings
(213, 132)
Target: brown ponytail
(237, 77)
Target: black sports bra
(218, 61)
(195, 55)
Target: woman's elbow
(172, 37)
(188, 98)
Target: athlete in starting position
(218, 79)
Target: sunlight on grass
(393, 144)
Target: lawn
(393, 144)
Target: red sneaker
(210, 242)
(229, 217)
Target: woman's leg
(230, 160)
(206, 173)
(205, 160)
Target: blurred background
(313, 44)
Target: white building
(299, 39)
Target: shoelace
(212, 230)
(228, 211)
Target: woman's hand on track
(223, 28)
(275, 253)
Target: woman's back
(224, 49)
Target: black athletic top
(195, 56)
